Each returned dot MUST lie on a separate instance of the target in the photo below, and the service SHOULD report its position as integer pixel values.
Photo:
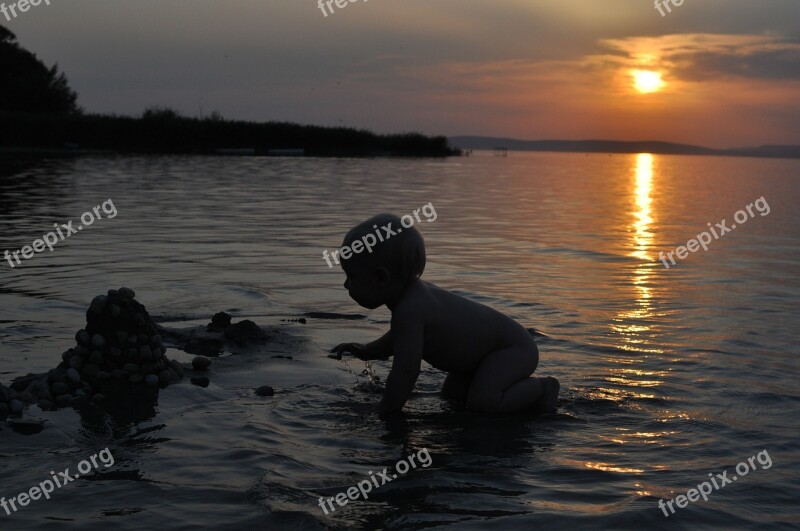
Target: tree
(27, 85)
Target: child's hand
(356, 349)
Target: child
(488, 356)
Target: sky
(717, 73)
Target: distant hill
(615, 146)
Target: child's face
(363, 285)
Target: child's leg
(457, 386)
(503, 382)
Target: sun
(647, 81)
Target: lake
(669, 376)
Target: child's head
(385, 256)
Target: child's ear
(384, 275)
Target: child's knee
(484, 401)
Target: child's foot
(549, 400)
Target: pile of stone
(119, 352)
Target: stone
(265, 390)
(201, 363)
(46, 404)
(135, 378)
(81, 351)
(127, 292)
(64, 400)
(67, 355)
(113, 293)
(15, 407)
(151, 380)
(79, 393)
(98, 340)
(73, 376)
(145, 353)
(26, 397)
(83, 337)
(99, 397)
(26, 427)
(91, 370)
(133, 339)
(103, 376)
(115, 352)
(131, 368)
(156, 340)
(120, 374)
(177, 367)
(96, 357)
(164, 378)
(201, 381)
(122, 336)
(115, 311)
(98, 304)
(133, 353)
(4, 411)
(59, 388)
(76, 362)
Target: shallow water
(667, 374)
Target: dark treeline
(164, 131)
(38, 111)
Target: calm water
(667, 374)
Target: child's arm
(380, 349)
(408, 343)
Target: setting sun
(647, 81)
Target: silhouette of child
(488, 356)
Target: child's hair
(402, 253)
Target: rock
(135, 378)
(113, 293)
(16, 407)
(99, 397)
(155, 340)
(139, 319)
(164, 378)
(91, 370)
(145, 353)
(76, 362)
(115, 311)
(131, 368)
(173, 376)
(201, 381)
(26, 427)
(46, 404)
(79, 393)
(83, 337)
(133, 339)
(115, 352)
(220, 321)
(96, 357)
(4, 411)
(64, 400)
(26, 397)
(67, 355)
(201, 363)
(151, 380)
(60, 388)
(133, 353)
(177, 367)
(127, 292)
(103, 376)
(73, 376)
(81, 351)
(98, 340)
(265, 391)
(244, 332)
(122, 336)
(98, 304)
(120, 374)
